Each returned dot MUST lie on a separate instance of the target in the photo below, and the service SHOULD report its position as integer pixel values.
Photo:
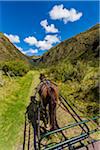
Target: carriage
(56, 137)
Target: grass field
(14, 97)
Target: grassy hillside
(74, 66)
(12, 61)
(9, 52)
(84, 46)
(74, 63)
(14, 98)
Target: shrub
(80, 84)
(62, 72)
(18, 68)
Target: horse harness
(46, 82)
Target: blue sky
(36, 26)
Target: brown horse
(49, 96)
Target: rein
(24, 133)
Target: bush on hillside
(62, 72)
(80, 83)
(18, 68)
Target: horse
(48, 93)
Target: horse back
(48, 92)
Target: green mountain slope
(74, 64)
(84, 46)
(9, 52)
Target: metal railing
(67, 127)
(71, 141)
(37, 140)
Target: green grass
(13, 101)
(15, 96)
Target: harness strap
(24, 133)
(28, 147)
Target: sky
(36, 26)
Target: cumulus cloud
(31, 51)
(48, 28)
(31, 40)
(45, 44)
(13, 38)
(48, 42)
(52, 39)
(58, 12)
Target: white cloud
(45, 44)
(52, 39)
(48, 28)
(48, 42)
(13, 38)
(58, 12)
(31, 51)
(31, 40)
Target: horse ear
(42, 76)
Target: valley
(73, 65)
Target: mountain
(35, 58)
(74, 64)
(83, 46)
(9, 52)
